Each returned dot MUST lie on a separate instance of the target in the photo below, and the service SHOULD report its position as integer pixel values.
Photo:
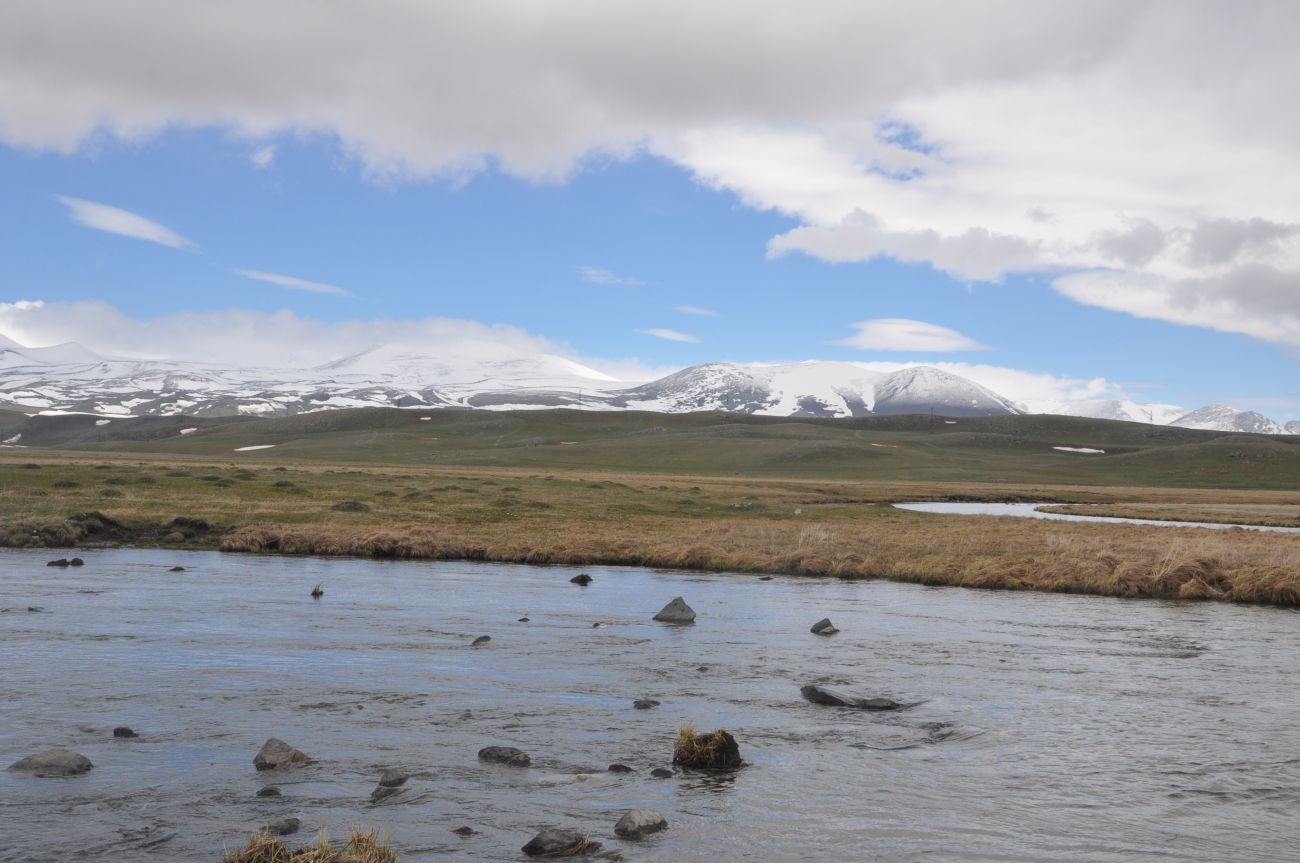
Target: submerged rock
(283, 827)
(523, 620)
(63, 561)
(53, 763)
(465, 831)
(582, 580)
(268, 791)
(123, 731)
(559, 842)
(676, 611)
(662, 773)
(177, 569)
(393, 778)
(824, 627)
(482, 639)
(821, 695)
(382, 791)
(505, 755)
(619, 768)
(275, 753)
(76, 561)
(645, 704)
(639, 823)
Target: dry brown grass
(738, 524)
(361, 847)
(714, 751)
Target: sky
(1062, 201)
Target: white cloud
(696, 310)
(293, 283)
(671, 335)
(102, 217)
(1037, 392)
(984, 138)
(263, 157)
(601, 276)
(903, 334)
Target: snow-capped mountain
(1224, 418)
(71, 378)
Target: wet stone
(268, 791)
(53, 763)
(582, 580)
(821, 695)
(676, 611)
(275, 753)
(505, 755)
(662, 773)
(559, 842)
(177, 569)
(824, 627)
(76, 561)
(393, 778)
(465, 831)
(283, 827)
(639, 823)
(383, 791)
(645, 704)
(482, 639)
(123, 732)
(619, 768)
(63, 561)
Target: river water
(1053, 728)
(1031, 510)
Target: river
(1051, 727)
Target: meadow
(703, 492)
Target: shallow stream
(1052, 728)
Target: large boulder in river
(505, 755)
(559, 842)
(821, 695)
(639, 823)
(676, 611)
(53, 763)
(275, 753)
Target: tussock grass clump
(715, 751)
(361, 847)
(350, 506)
(65, 483)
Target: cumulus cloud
(293, 283)
(903, 334)
(671, 335)
(982, 138)
(602, 276)
(698, 311)
(124, 223)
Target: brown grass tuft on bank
(361, 847)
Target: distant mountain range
(70, 378)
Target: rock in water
(123, 731)
(662, 773)
(382, 792)
(824, 627)
(63, 561)
(464, 831)
(177, 569)
(482, 639)
(393, 778)
(53, 763)
(505, 755)
(559, 842)
(639, 823)
(582, 579)
(76, 561)
(822, 695)
(283, 827)
(645, 704)
(619, 768)
(275, 753)
(268, 791)
(676, 611)
(716, 751)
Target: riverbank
(769, 526)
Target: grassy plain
(696, 491)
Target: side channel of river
(1031, 510)
(1051, 727)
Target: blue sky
(849, 182)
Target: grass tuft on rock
(715, 751)
(362, 847)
